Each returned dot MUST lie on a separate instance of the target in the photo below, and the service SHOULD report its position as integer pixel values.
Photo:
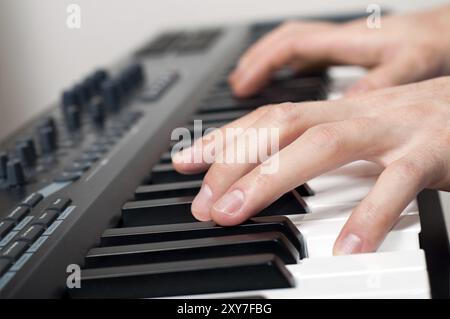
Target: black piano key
(167, 190)
(171, 232)
(165, 173)
(289, 204)
(188, 188)
(158, 211)
(166, 158)
(213, 275)
(211, 247)
(178, 210)
(305, 190)
(233, 104)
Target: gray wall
(39, 55)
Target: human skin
(404, 128)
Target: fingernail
(351, 244)
(230, 203)
(185, 156)
(202, 203)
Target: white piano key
(320, 235)
(338, 190)
(340, 212)
(347, 184)
(356, 169)
(400, 274)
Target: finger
(270, 40)
(277, 128)
(255, 73)
(372, 219)
(319, 149)
(193, 159)
(401, 70)
(337, 45)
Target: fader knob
(25, 154)
(47, 139)
(73, 118)
(98, 112)
(110, 96)
(3, 164)
(16, 175)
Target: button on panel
(32, 200)
(5, 227)
(18, 214)
(30, 234)
(4, 265)
(59, 204)
(14, 250)
(46, 218)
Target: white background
(39, 55)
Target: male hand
(405, 49)
(406, 129)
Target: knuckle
(284, 113)
(321, 136)
(408, 170)
(263, 181)
(369, 210)
(260, 110)
(373, 215)
(217, 172)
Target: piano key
(166, 158)
(355, 169)
(165, 173)
(171, 232)
(210, 247)
(184, 277)
(340, 212)
(167, 190)
(400, 274)
(178, 210)
(158, 211)
(320, 234)
(305, 190)
(276, 94)
(347, 184)
(332, 192)
(288, 204)
(188, 188)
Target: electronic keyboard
(91, 206)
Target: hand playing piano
(406, 129)
(405, 49)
